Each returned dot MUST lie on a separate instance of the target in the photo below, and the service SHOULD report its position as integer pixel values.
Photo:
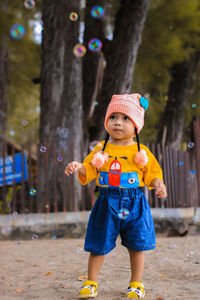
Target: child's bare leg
(95, 263)
(137, 264)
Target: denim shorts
(105, 223)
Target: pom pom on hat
(141, 158)
(99, 159)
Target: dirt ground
(49, 269)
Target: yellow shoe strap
(90, 282)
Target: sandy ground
(48, 269)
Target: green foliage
(170, 35)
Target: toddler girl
(121, 168)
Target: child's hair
(137, 138)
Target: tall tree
(61, 97)
(172, 120)
(120, 56)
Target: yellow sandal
(88, 290)
(135, 290)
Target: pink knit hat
(132, 105)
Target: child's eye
(112, 117)
(126, 118)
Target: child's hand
(72, 167)
(161, 191)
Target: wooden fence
(181, 171)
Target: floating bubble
(15, 213)
(189, 255)
(146, 96)
(29, 4)
(96, 103)
(190, 145)
(123, 213)
(53, 237)
(95, 45)
(97, 12)
(18, 243)
(35, 237)
(43, 149)
(93, 144)
(79, 249)
(194, 105)
(180, 163)
(17, 31)
(192, 172)
(6, 230)
(73, 16)
(79, 50)
(195, 219)
(171, 27)
(24, 122)
(60, 158)
(33, 192)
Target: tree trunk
(171, 123)
(3, 92)
(120, 55)
(61, 100)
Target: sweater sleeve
(91, 171)
(152, 170)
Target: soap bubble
(43, 149)
(190, 145)
(29, 4)
(194, 105)
(6, 230)
(17, 31)
(24, 122)
(79, 50)
(95, 45)
(180, 163)
(73, 16)
(97, 12)
(35, 237)
(60, 158)
(33, 192)
(123, 213)
(146, 96)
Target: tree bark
(172, 120)
(61, 99)
(120, 55)
(3, 92)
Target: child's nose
(118, 121)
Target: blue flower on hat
(144, 103)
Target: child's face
(120, 127)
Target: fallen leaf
(19, 290)
(160, 298)
(18, 260)
(81, 277)
(48, 274)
